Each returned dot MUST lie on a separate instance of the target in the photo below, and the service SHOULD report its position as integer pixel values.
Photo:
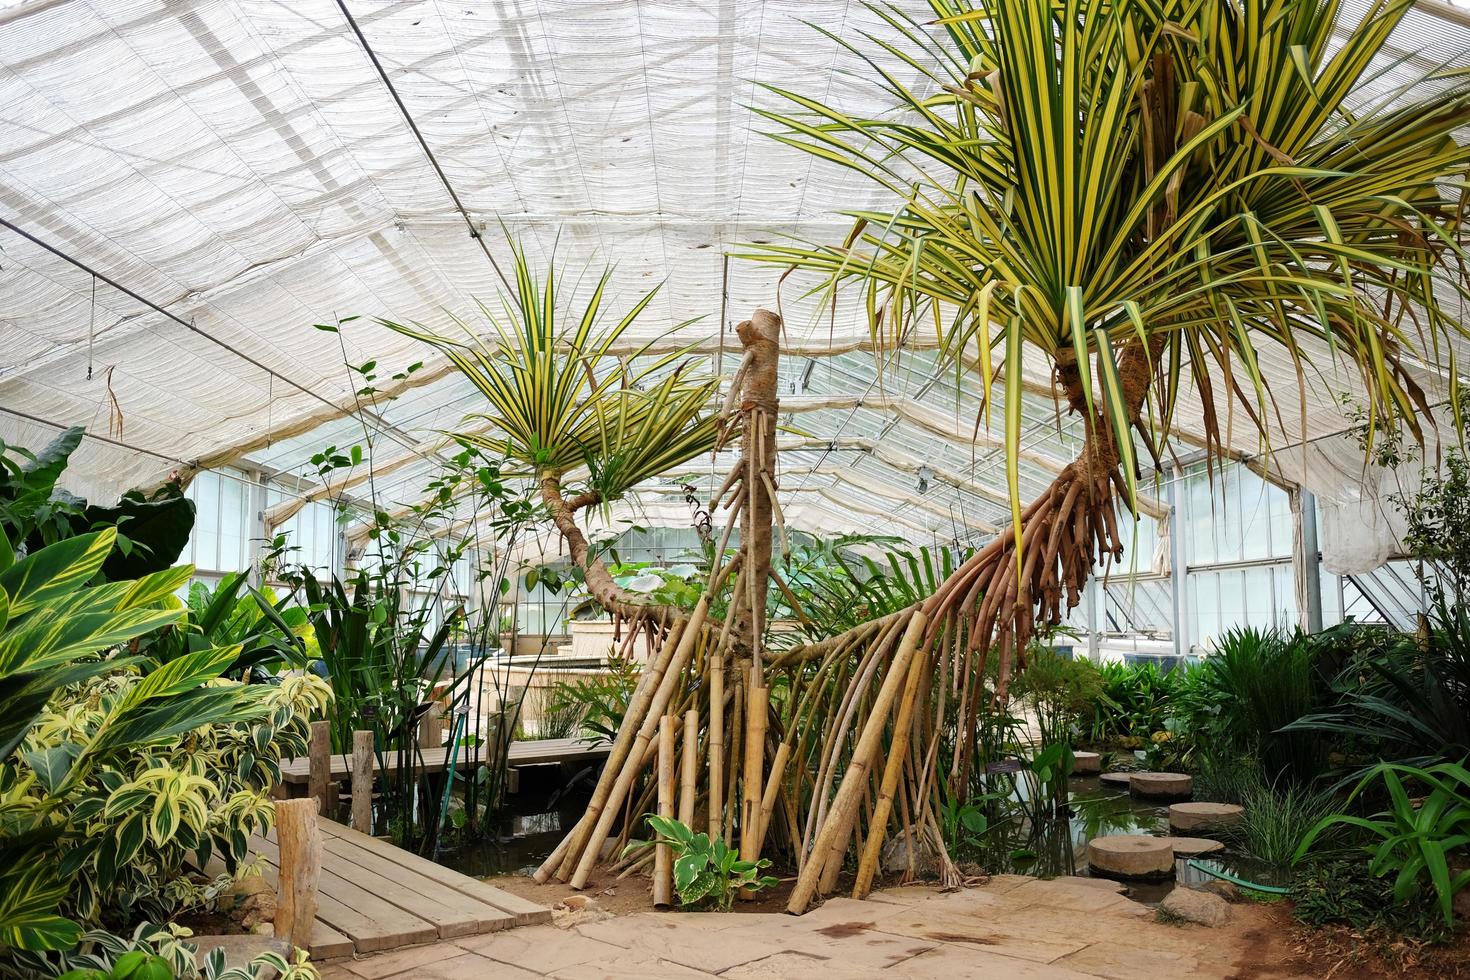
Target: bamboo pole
(892, 771)
(561, 860)
(689, 768)
(362, 782)
(757, 704)
(716, 787)
(737, 718)
(299, 843)
(624, 779)
(663, 861)
(319, 763)
(832, 837)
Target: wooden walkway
(374, 896)
(535, 752)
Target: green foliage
(1133, 703)
(1347, 892)
(838, 587)
(599, 702)
(269, 633)
(162, 953)
(555, 403)
(1396, 697)
(1277, 816)
(706, 872)
(113, 767)
(1255, 684)
(1437, 519)
(1416, 839)
(35, 512)
(1059, 691)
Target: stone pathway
(1012, 927)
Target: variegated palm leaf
(1151, 194)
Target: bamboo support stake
(319, 763)
(892, 771)
(737, 717)
(634, 755)
(716, 742)
(837, 827)
(757, 704)
(362, 782)
(567, 852)
(663, 860)
(689, 768)
(299, 842)
(772, 792)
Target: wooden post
(319, 763)
(716, 787)
(689, 768)
(431, 727)
(362, 782)
(663, 860)
(299, 841)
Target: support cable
(423, 144)
(380, 427)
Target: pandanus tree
(1150, 196)
(1155, 196)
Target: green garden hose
(1241, 882)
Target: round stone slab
(1086, 763)
(1130, 856)
(1116, 778)
(1162, 785)
(1194, 846)
(1203, 816)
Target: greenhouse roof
(240, 170)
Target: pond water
(1058, 845)
(538, 817)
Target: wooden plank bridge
(295, 773)
(373, 896)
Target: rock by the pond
(250, 901)
(1225, 889)
(1130, 856)
(1196, 906)
(1086, 763)
(1194, 846)
(1203, 816)
(1162, 785)
(1116, 778)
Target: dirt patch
(1274, 946)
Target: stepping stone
(1130, 856)
(1116, 778)
(1203, 816)
(1162, 785)
(1086, 763)
(1194, 846)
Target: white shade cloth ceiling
(242, 164)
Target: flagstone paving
(1012, 927)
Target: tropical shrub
(1401, 698)
(164, 953)
(1347, 892)
(1416, 839)
(1133, 703)
(112, 767)
(35, 511)
(1058, 691)
(1257, 683)
(270, 633)
(706, 871)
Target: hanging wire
(92, 328)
